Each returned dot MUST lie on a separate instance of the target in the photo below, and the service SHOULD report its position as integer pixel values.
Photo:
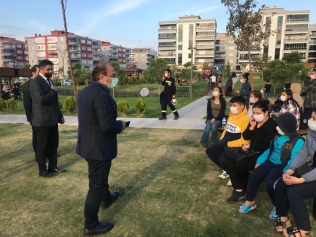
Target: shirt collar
(43, 76)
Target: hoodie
(296, 89)
(236, 125)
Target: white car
(65, 83)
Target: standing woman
(310, 97)
(290, 105)
(245, 88)
(216, 107)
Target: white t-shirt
(213, 78)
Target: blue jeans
(266, 96)
(210, 127)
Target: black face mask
(48, 75)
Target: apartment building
(12, 52)
(177, 38)
(115, 53)
(83, 50)
(225, 52)
(312, 44)
(142, 57)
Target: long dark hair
(262, 104)
(257, 94)
(290, 93)
(221, 93)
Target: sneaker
(229, 183)
(162, 118)
(273, 215)
(176, 117)
(236, 196)
(223, 175)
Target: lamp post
(190, 87)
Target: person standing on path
(27, 102)
(45, 118)
(97, 144)
(245, 89)
(266, 90)
(310, 97)
(169, 94)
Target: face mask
(252, 100)
(166, 75)
(312, 125)
(234, 110)
(283, 98)
(313, 76)
(215, 93)
(241, 81)
(279, 131)
(113, 83)
(259, 118)
(48, 75)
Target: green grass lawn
(173, 191)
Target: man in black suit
(27, 102)
(45, 118)
(97, 143)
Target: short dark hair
(268, 81)
(100, 68)
(262, 104)
(238, 99)
(44, 63)
(257, 94)
(168, 70)
(33, 69)
(314, 110)
(233, 74)
(245, 75)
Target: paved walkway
(191, 117)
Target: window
(54, 60)
(83, 47)
(297, 27)
(83, 55)
(40, 40)
(205, 34)
(19, 51)
(51, 39)
(167, 44)
(179, 47)
(83, 61)
(41, 47)
(231, 54)
(180, 34)
(294, 46)
(180, 59)
(18, 46)
(83, 41)
(19, 57)
(88, 41)
(167, 35)
(56, 68)
(89, 48)
(52, 47)
(205, 25)
(41, 54)
(52, 55)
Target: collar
(43, 76)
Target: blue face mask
(113, 83)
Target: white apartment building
(142, 57)
(176, 38)
(312, 44)
(225, 52)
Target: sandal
(244, 209)
(273, 215)
(280, 225)
(293, 232)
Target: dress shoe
(57, 170)
(99, 229)
(176, 117)
(162, 118)
(108, 203)
(45, 174)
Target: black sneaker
(176, 117)
(162, 118)
(236, 196)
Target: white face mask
(252, 100)
(312, 125)
(241, 81)
(215, 93)
(279, 131)
(283, 98)
(234, 110)
(259, 118)
(166, 74)
(313, 76)
(113, 83)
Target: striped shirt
(292, 108)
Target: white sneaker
(229, 183)
(223, 175)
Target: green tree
(77, 66)
(260, 62)
(156, 70)
(245, 26)
(226, 71)
(295, 66)
(120, 73)
(27, 66)
(277, 72)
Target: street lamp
(190, 87)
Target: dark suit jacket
(45, 108)
(27, 100)
(98, 127)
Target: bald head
(102, 69)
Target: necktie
(48, 81)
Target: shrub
(60, 104)
(140, 107)
(122, 107)
(70, 104)
(12, 105)
(3, 105)
(57, 83)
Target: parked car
(65, 83)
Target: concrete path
(191, 117)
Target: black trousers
(215, 153)
(293, 196)
(239, 171)
(98, 190)
(268, 171)
(166, 100)
(46, 146)
(34, 141)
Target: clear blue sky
(129, 23)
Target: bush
(3, 105)
(122, 107)
(12, 105)
(70, 104)
(60, 104)
(57, 83)
(140, 107)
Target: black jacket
(222, 112)
(98, 127)
(27, 100)
(45, 108)
(169, 86)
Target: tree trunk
(250, 68)
(274, 89)
(69, 59)
(262, 78)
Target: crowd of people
(255, 147)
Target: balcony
(75, 56)
(206, 55)
(313, 42)
(295, 40)
(73, 42)
(166, 48)
(6, 60)
(74, 49)
(8, 46)
(204, 46)
(167, 30)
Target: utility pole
(69, 59)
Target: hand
(212, 120)
(256, 166)
(289, 180)
(30, 123)
(53, 87)
(245, 147)
(174, 96)
(253, 123)
(237, 91)
(163, 78)
(62, 121)
(124, 125)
